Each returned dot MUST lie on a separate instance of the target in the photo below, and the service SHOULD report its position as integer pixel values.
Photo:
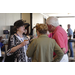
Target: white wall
(37, 18)
(26, 16)
(65, 21)
(8, 19)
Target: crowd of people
(50, 45)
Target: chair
(4, 53)
(1, 59)
(6, 47)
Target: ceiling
(59, 15)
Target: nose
(23, 26)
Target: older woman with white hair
(59, 35)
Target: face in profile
(21, 29)
(50, 28)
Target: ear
(38, 33)
(52, 26)
(17, 29)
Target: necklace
(20, 38)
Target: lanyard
(20, 38)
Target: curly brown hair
(42, 28)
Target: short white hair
(52, 21)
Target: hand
(24, 43)
(64, 50)
(28, 37)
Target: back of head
(42, 28)
(52, 21)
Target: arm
(70, 32)
(58, 52)
(18, 46)
(14, 47)
(31, 48)
(70, 36)
(60, 41)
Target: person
(74, 34)
(41, 49)
(50, 36)
(18, 45)
(60, 25)
(59, 35)
(25, 33)
(70, 35)
(27, 36)
(1, 44)
(31, 33)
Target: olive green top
(42, 48)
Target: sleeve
(70, 32)
(60, 40)
(58, 52)
(31, 48)
(11, 43)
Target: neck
(42, 34)
(20, 33)
(54, 29)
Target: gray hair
(52, 21)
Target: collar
(56, 29)
(43, 35)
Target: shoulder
(12, 37)
(25, 36)
(33, 40)
(57, 33)
(54, 43)
(70, 29)
(52, 40)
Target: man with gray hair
(59, 35)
